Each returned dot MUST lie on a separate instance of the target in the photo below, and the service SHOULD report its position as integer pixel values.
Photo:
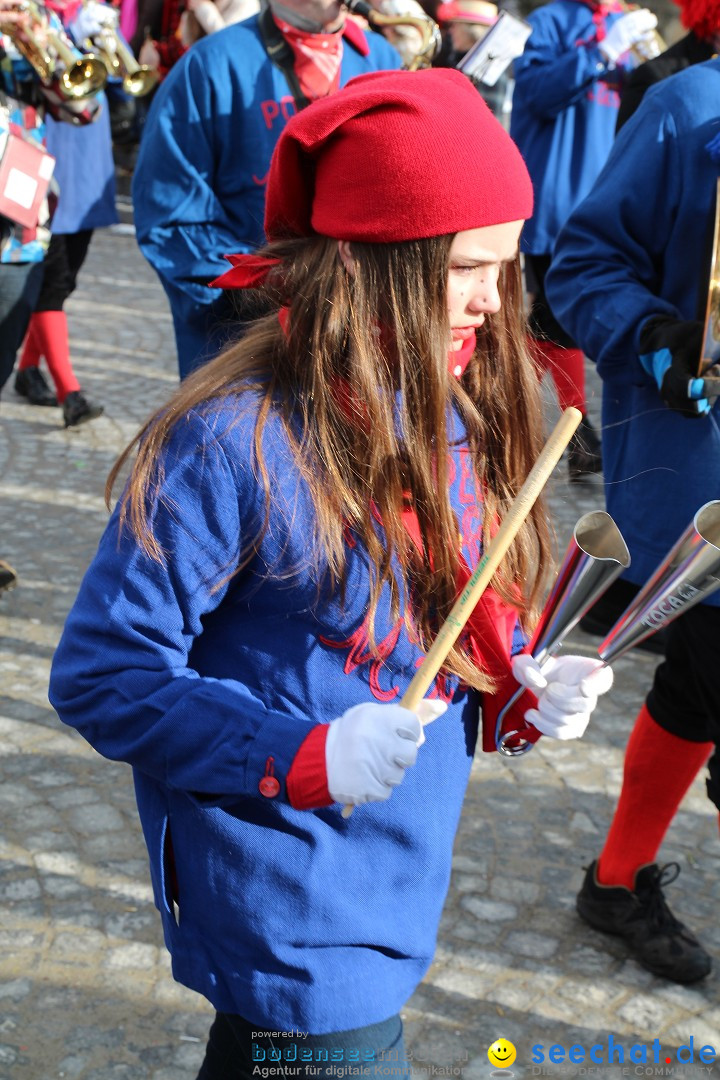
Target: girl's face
(476, 257)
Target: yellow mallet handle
(463, 607)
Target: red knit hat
(395, 155)
(700, 16)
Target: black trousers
(63, 261)
(238, 1050)
(541, 321)
(20, 285)
(685, 695)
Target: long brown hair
(367, 421)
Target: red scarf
(317, 59)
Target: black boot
(585, 455)
(78, 410)
(30, 383)
(8, 577)
(654, 936)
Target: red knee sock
(659, 769)
(31, 349)
(49, 334)
(567, 367)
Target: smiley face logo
(502, 1053)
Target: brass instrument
(657, 46)
(429, 30)
(52, 57)
(137, 79)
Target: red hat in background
(467, 11)
(395, 155)
(700, 16)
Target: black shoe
(654, 936)
(584, 452)
(8, 577)
(606, 611)
(30, 383)
(78, 410)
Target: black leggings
(63, 261)
(239, 1050)
(685, 695)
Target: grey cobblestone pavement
(85, 986)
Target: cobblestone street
(85, 985)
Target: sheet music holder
(503, 43)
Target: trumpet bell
(140, 82)
(85, 77)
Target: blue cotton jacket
(638, 247)
(199, 184)
(205, 683)
(564, 113)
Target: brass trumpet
(429, 30)
(47, 50)
(137, 79)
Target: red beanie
(395, 155)
(700, 16)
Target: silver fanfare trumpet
(595, 557)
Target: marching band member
(86, 173)
(563, 119)
(199, 185)
(628, 277)
(285, 549)
(30, 99)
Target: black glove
(670, 352)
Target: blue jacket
(85, 171)
(199, 184)
(564, 113)
(203, 684)
(635, 248)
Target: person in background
(466, 22)
(565, 108)
(629, 280)
(29, 102)
(702, 18)
(317, 494)
(199, 185)
(85, 171)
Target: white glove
(629, 29)
(92, 19)
(567, 689)
(370, 746)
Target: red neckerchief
(599, 13)
(317, 59)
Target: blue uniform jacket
(203, 684)
(635, 248)
(199, 184)
(564, 113)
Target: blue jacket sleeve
(183, 226)
(606, 270)
(122, 674)
(553, 74)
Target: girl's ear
(346, 257)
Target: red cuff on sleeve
(307, 779)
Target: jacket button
(269, 787)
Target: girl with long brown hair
(295, 527)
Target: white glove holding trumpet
(636, 29)
(567, 689)
(370, 747)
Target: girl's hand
(370, 746)
(567, 689)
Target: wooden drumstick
(463, 607)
